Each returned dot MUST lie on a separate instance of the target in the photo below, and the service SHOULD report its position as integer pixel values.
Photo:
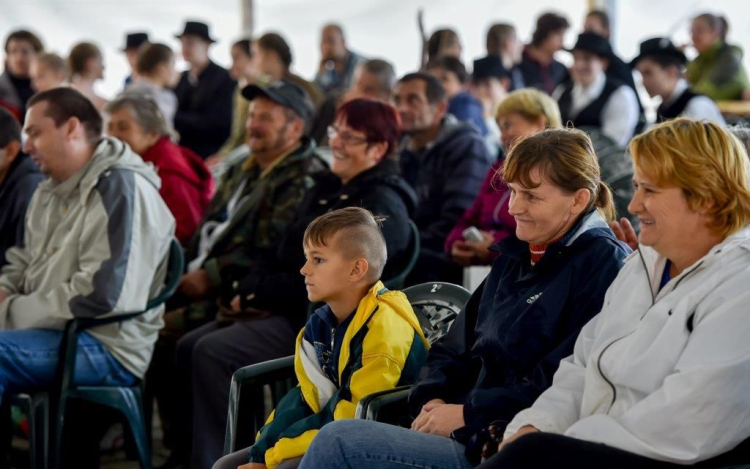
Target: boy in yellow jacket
(364, 340)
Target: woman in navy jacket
(501, 353)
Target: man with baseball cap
(204, 94)
(255, 202)
(591, 98)
(661, 66)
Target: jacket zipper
(653, 302)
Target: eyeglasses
(345, 137)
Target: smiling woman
(657, 378)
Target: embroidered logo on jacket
(534, 298)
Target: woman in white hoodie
(661, 377)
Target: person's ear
(12, 150)
(71, 126)
(580, 201)
(377, 151)
(605, 63)
(505, 83)
(359, 270)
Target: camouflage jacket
(267, 205)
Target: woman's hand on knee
(440, 420)
(521, 432)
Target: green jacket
(383, 347)
(718, 73)
(268, 204)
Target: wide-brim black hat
(196, 28)
(660, 47)
(593, 43)
(489, 67)
(134, 40)
(284, 93)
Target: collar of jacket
(110, 153)
(654, 262)
(377, 297)
(305, 146)
(517, 249)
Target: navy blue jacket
(505, 346)
(467, 108)
(15, 194)
(446, 176)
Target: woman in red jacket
(186, 182)
(522, 113)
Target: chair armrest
(246, 399)
(389, 406)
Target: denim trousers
(363, 444)
(28, 361)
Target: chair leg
(134, 414)
(39, 418)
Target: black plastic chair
(127, 400)
(436, 306)
(397, 281)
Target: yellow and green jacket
(383, 347)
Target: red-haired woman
(363, 139)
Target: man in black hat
(244, 222)
(591, 98)
(133, 43)
(490, 82)
(661, 66)
(204, 95)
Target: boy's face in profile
(326, 271)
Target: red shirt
(186, 184)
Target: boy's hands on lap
(439, 418)
(253, 465)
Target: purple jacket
(489, 212)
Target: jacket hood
(110, 154)
(167, 156)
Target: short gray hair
(384, 71)
(145, 111)
(742, 132)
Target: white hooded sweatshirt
(663, 374)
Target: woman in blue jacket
(501, 353)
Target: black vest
(591, 115)
(674, 110)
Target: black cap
(659, 46)
(285, 93)
(489, 67)
(593, 43)
(196, 28)
(134, 40)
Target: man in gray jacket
(96, 240)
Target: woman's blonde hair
(531, 104)
(565, 158)
(708, 163)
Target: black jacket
(204, 111)
(15, 194)
(276, 284)
(447, 177)
(504, 347)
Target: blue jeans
(364, 444)
(28, 360)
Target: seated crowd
(599, 338)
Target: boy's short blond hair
(360, 236)
(708, 163)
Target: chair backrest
(175, 268)
(436, 305)
(397, 282)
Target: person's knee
(522, 452)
